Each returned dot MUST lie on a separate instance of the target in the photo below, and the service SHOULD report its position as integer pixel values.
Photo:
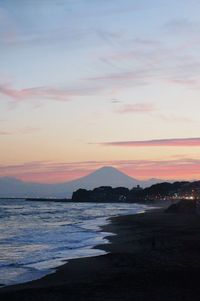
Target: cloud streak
(174, 142)
(136, 108)
(36, 92)
(173, 118)
(147, 61)
(181, 26)
(52, 93)
(5, 133)
(24, 131)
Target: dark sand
(154, 256)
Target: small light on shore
(189, 198)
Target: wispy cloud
(184, 168)
(115, 100)
(146, 42)
(43, 32)
(175, 142)
(147, 61)
(181, 26)
(47, 172)
(35, 92)
(5, 133)
(24, 131)
(136, 108)
(29, 130)
(120, 76)
(173, 118)
(52, 93)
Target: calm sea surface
(36, 237)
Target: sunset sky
(92, 83)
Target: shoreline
(86, 235)
(154, 255)
(102, 228)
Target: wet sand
(154, 256)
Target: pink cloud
(174, 169)
(52, 172)
(36, 92)
(136, 108)
(172, 118)
(176, 142)
(54, 93)
(189, 82)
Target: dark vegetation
(161, 191)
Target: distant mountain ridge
(105, 176)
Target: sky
(92, 83)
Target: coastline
(154, 255)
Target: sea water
(36, 237)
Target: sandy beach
(153, 256)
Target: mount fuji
(105, 176)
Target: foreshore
(153, 256)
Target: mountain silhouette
(105, 176)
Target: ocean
(37, 237)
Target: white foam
(37, 237)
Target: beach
(153, 256)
